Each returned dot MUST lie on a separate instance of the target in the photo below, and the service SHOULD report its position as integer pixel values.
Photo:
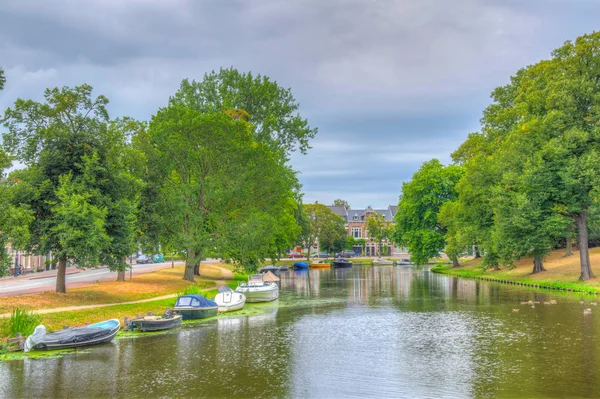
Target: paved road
(46, 281)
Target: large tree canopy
(272, 109)
(417, 225)
(320, 223)
(76, 179)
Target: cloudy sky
(389, 83)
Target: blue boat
(195, 306)
(301, 265)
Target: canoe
(194, 306)
(382, 262)
(228, 300)
(341, 262)
(300, 265)
(155, 323)
(258, 290)
(93, 334)
(320, 264)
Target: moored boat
(156, 323)
(273, 269)
(301, 265)
(194, 306)
(228, 300)
(258, 290)
(341, 262)
(382, 262)
(93, 334)
(320, 264)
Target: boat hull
(342, 264)
(55, 340)
(300, 265)
(230, 301)
(260, 293)
(194, 313)
(320, 265)
(145, 325)
(383, 262)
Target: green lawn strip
(574, 286)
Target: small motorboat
(93, 334)
(321, 263)
(404, 262)
(273, 269)
(301, 265)
(341, 262)
(382, 262)
(156, 323)
(228, 300)
(258, 290)
(194, 306)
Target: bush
(192, 289)
(21, 321)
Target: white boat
(258, 290)
(228, 300)
(382, 262)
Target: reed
(21, 321)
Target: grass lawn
(562, 272)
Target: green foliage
(341, 202)
(193, 289)
(379, 230)
(320, 223)
(271, 109)
(2, 79)
(417, 225)
(21, 321)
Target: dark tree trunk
(584, 254)
(188, 273)
(477, 254)
(172, 261)
(121, 276)
(61, 286)
(197, 264)
(455, 261)
(538, 266)
(569, 248)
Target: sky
(389, 84)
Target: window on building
(356, 232)
(355, 217)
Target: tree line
(528, 181)
(207, 175)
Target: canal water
(360, 332)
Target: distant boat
(320, 264)
(195, 306)
(258, 290)
(341, 262)
(228, 300)
(404, 262)
(273, 268)
(73, 337)
(382, 262)
(301, 265)
(155, 323)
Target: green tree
(320, 222)
(341, 202)
(379, 230)
(75, 181)
(272, 109)
(417, 225)
(2, 78)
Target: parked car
(348, 254)
(143, 259)
(292, 255)
(158, 258)
(320, 255)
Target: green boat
(195, 306)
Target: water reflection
(377, 331)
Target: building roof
(339, 210)
(359, 214)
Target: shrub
(21, 321)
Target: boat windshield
(184, 301)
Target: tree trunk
(569, 249)
(538, 266)
(121, 276)
(477, 254)
(197, 264)
(455, 261)
(308, 254)
(584, 254)
(188, 273)
(172, 261)
(61, 286)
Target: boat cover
(77, 334)
(195, 301)
(225, 288)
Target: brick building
(355, 222)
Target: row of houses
(355, 222)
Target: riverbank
(562, 272)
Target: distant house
(355, 221)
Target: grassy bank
(562, 272)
